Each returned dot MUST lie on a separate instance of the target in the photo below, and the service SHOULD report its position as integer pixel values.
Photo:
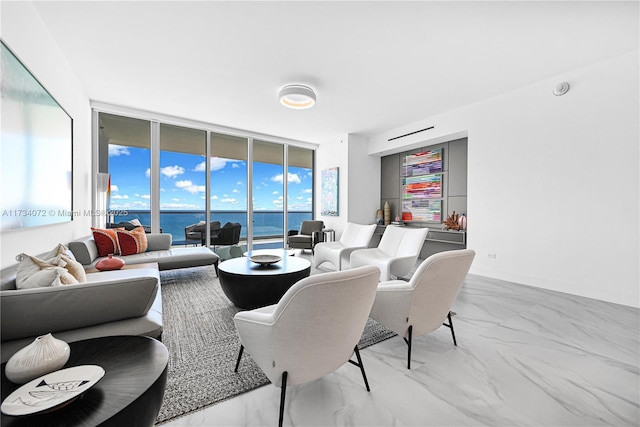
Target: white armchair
(396, 254)
(312, 331)
(420, 306)
(355, 236)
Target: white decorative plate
(265, 259)
(52, 390)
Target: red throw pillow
(132, 242)
(106, 240)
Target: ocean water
(265, 224)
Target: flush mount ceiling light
(298, 97)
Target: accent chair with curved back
(355, 236)
(313, 330)
(420, 306)
(310, 233)
(396, 254)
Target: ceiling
(374, 65)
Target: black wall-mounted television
(36, 154)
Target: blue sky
(182, 182)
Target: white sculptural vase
(45, 354)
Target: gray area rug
(203, 343)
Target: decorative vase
(462, 222)
(379, 217)
(387, 213)
(45, 354)
(110, 263)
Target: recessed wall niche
(453, 182)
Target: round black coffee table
(129, 394)
(249, 285)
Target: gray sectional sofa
(119, 302)
(158, 250)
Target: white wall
(553, 183)
(359, 181)
(25, 34)
(364, 182)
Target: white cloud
(214, 197)
(291, 177)
(190, 187)
(146, 196)
(114, 188)
(119, 196)
(275, 192)
(239, 183)
(215, 163)
(229, 200)
(118, 150)
(172, 171)
(235, 190)
(235, 165)
(307, 191)
(147, 173)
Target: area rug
(203, 343)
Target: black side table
(129, 394)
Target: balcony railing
(266, 224)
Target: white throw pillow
(58, 250)
(36, 273)
(49, 276)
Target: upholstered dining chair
(313, 330)
(420, 306)
(307, 237)
(396, 253)
(355, 236)
(228, 234)
(196, 232)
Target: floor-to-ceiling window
(125, 155)
(268, 191)
(182, 179)
(158, 174)
(228, 185)
(300, 189)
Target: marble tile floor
(525, 357)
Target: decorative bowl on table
(52, 391)
(265, 259)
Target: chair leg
(282, 397)
(408, 341)
(215, 264)
(239, 357)
(361, 366)
(450, 326)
